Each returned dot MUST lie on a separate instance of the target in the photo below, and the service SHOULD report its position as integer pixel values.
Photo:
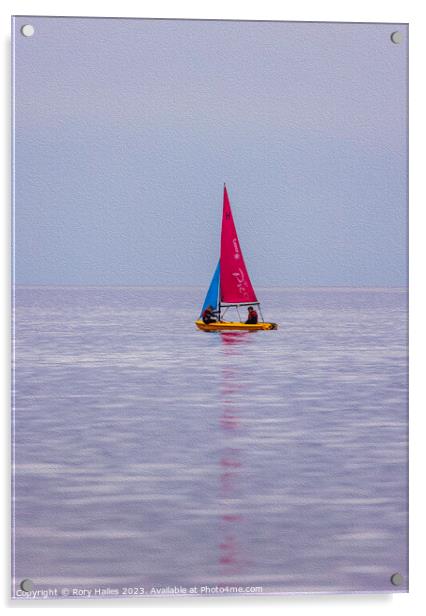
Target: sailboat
(230, 286)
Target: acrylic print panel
(152, 456)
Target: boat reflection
(235, 338)
(231, 472)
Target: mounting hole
(27, 30)
(396, 37)
(396, 579)
(26, 585)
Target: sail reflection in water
(231, 478)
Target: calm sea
(150, 454)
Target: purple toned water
(149, 453)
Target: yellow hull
(234, 325)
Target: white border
(410, 11)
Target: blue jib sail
(213, 292)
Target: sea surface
(151, 455)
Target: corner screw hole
(27, 30)
(26, 585)
(396, 579)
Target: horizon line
(188, 286)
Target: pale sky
(126, 130)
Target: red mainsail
(235, 284)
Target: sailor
(208, 315)
(252, 316)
